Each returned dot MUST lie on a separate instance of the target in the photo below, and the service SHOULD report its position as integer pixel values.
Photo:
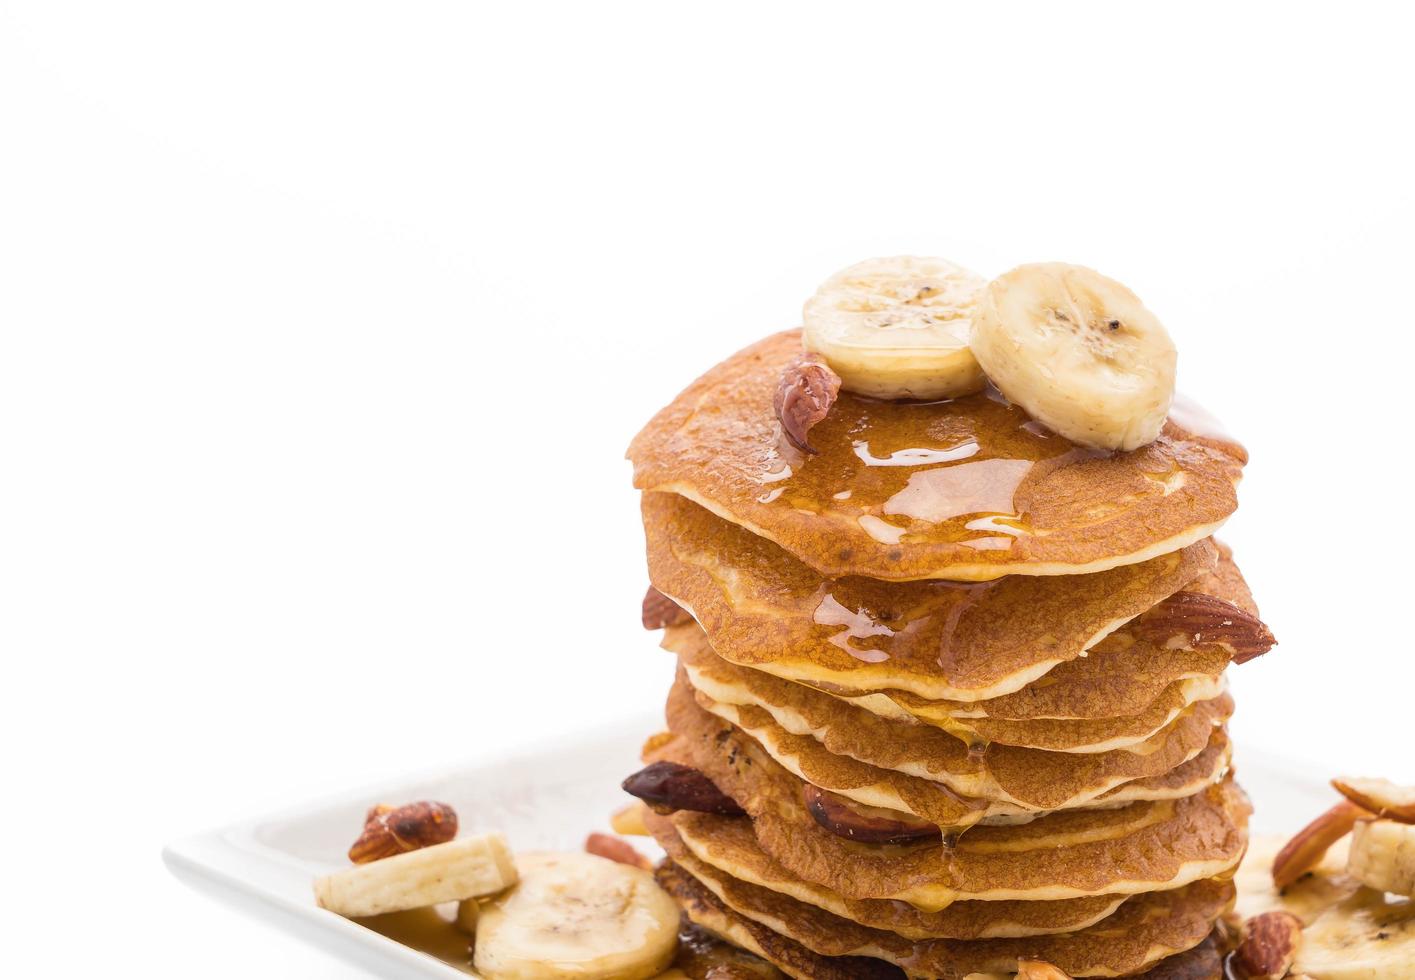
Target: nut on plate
(390, 830)
(1038, 970)
(1269, 946)
(615, 849)
(1306, 850)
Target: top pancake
(969, 489)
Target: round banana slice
(1383, 856)
(1079, 352)
(1367, 936)
(577, 916)
(897, 328)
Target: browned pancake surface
(1031, 778)
(935, 800)
(728, 843)
(704, 908)
(1138, 847)
(969, 489)
(1145, 929)
(939, 640)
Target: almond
(1306, 850)
(1195, 619)
(853, 822)
(668, 786)
(804, 396)
(390, 830)
(1269, 946)
(1037, 970)
(605, 846)
(660, 611)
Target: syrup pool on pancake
(969, 489)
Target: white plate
(542, 799)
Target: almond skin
(1269, 946)
(804, 396)
(660, 611)
(668, 786)
(1306, 850)
(390, 830)
(605, 846)
(1196, 619)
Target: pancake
(1144, 930)
(938, 640)
(727, 843)
(1027, 778)
(706, 910)
(968, 490)
(933, 801)
(739, 685)
(1143, 846)
(1078, 735)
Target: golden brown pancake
(1144, 930)
(1139, 847)
(1028, 778)
(969, 489)
(739, 685)
(705, 909)
(934, 801)
(939, 640)
(727, 843)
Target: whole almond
(1306, 850)
(390, 830)
(1269, 946)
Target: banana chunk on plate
(1383, 856)
(1079, 352)
(577, 917)
(469, 867)
(1367, 936)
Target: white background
(326, 326)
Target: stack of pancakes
(962, 677)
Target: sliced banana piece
(897, 328)
(468, 867)
(1383, 856)
(1079, 352)
(577, 916)
(1365, 937)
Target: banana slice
(468, 867)
(577, 916)
(897, 328)
(1383, 856)
(1365, 937)
(1079, 352)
